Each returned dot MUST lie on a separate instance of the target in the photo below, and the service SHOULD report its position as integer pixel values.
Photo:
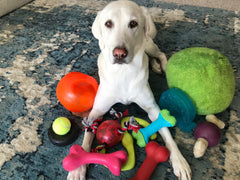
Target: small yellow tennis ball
(61, 126)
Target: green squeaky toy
(205, 75)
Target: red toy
(78, 157)
(108, 133)
(76, 92)
(155, 155)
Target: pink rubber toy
(78, 156)
(155, 155)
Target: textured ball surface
(205, 75)
(107, 133)
(180, 106)
(61, 126)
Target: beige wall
(7, 6)
(233, 5)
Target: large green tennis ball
(205, 75)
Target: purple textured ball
(208, 131)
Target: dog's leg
(159, 59)
(180, 166)
(80, 173)
(101, 105)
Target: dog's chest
(124, 82)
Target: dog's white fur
(128, 82)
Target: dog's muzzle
(119, 55)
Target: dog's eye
(133, 24)
(109, 24)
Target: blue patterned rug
(44, 40)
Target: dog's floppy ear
(96, 28)
(150, 29)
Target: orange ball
(76, 91)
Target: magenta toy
(155, 155)
(109, 133)
(78, 156)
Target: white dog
(125, 33)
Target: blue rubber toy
(180, 106)
(164, 120)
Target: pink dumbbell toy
(155, 155)
(78, 156)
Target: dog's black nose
(120, 53)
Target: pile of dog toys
(110, 132)
(191, 93)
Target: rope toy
(93, 127)
(117, 115)
(110, 132)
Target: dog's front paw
(159, 64)
(163, 60)
(78, 174)
(156, 66)
(180, 166)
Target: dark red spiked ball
(108, 133)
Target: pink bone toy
(78, 156)
(155, 155)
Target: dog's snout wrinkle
(120, 53)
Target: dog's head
(121, 28)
